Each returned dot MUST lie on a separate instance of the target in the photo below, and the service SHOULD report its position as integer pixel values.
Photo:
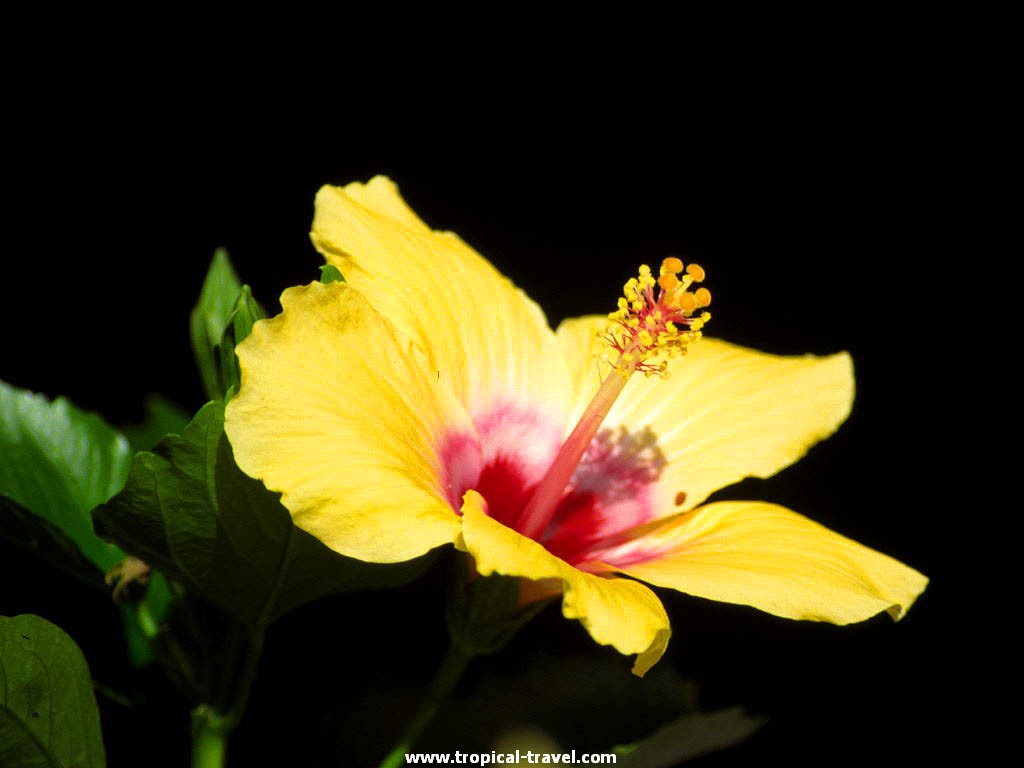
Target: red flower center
(610, 491)
(572, 496)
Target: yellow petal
(764, 555)
(342, 418)
(726, 412)
(582, 348)
(477, 330)
(616, 612)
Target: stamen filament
(540, 509)
(647, 328)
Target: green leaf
(210, 318)
(587, 702)
(243, 316)
(59, 462)
(47, 542)
(690, 737)
(190, 512)
(331, 274)
(48, 714)
(53, 546)
(223, 317)
(162, 417)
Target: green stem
(210, 728)
(245, 678)
(150, 626)
(209, 738)
(447, 675)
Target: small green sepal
(483, 612)
(331, 274)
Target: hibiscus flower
(426, 401)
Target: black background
(816, 197)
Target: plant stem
(209, 738)
(210, 728)
(244, 680)
(447, 675)
(149, 626)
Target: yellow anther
(672, 265)
(668, 281)
(648, 327)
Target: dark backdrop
(819, 215)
